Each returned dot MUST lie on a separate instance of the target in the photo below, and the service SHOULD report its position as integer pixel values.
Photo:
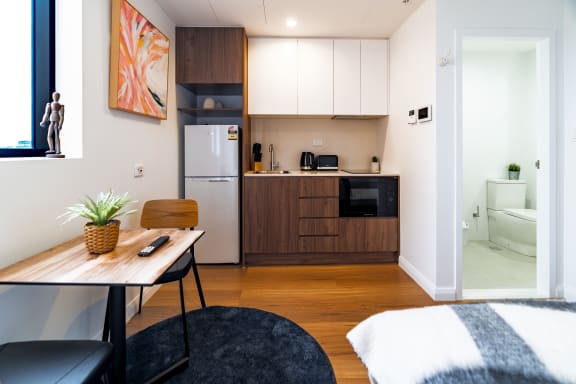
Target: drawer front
(318, 207)
(317, 243)
(319, 186)
(318, 227)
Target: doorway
(505, 120)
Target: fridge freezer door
(211, 150)
(217, 200)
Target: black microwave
(369, 196)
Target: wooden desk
(71, 264)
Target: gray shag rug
(230, 345)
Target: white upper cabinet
(315, 77)
(374, 77)
(272, 76)
(347, 77)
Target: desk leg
(118, 332)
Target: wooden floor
(327, 301)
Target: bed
(498, 342)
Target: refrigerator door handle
(213, 179)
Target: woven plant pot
(101, 238)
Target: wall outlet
(138, 170)
(317, 142)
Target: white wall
(499, 126)
(570, 148)
(354, 141)
(35, 191)
(459, 16)
(410, 149)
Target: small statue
(55, 113)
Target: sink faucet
(271, 150)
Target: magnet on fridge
(232, 132)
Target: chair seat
(177, 271)
(54, 361)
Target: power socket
(138, 170)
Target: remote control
(153, 246)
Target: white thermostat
(425, 113)
(412, 116)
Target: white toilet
(510, 225)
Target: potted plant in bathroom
(101, 233)
(374, 165)
(513, 171)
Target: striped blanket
(499, 342)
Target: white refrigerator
(211, 178)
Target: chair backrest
(169, 213)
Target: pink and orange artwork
(138, 63)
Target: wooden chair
(54, 361)
(172, 213)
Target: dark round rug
(230, 345)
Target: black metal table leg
(118, 332)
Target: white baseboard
(436, 293)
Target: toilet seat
(522, 213)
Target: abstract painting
(138, 63)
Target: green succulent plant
(100, 211)
(513, 167)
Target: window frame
(43, 76)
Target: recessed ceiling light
(291, 22)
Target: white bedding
(532, 341)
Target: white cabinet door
(347, 77)
(374, 77)
(272, 76)
(315, 77)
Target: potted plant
(513, 171)
(375, 165)
(101, 233)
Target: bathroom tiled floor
(489, 266)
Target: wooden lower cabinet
(371, 234)
(294, 220)
(270, 215)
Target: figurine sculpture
(54, 113)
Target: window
(27, 72)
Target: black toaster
(327, 163)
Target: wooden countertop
(298, 172)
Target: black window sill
(22, 152)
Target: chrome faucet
(271, 150)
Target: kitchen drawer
(318, 227)
(318, 207)
(319, 186)
(317, 243)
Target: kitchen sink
(269, 172)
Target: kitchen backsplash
(354, 141)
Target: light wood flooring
(327, 301)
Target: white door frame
(547, 176)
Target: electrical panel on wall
(412, 116)
(425, 113)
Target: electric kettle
(307, 161)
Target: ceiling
(315, 18)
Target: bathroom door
(504, 118)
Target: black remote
(153, 246)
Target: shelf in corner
(222, 112)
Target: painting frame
(139, 63)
